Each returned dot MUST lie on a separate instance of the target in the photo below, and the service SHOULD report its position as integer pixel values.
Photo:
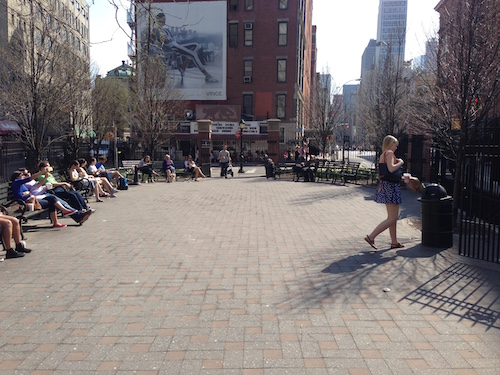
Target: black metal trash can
(437, 217)
(206, 168)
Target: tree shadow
(366, 260)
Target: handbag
(385, 175)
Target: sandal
(396, 246)
(59, 225)
(371, 242)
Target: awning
(9, 127)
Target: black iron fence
(480, 200)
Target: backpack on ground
(122, 184)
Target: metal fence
(480, 201)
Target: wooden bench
(365, 173)
(130, 170)
(181, 171)
(324, 170)
(346, 172)
(306, 168)
(285, 168)
(350, 172)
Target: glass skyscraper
(391, 30)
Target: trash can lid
(434, 192)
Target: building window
(283, 4)
(248, 104)
(282, 135)
(248, 4)
(233, 35)
(282, 70)
(281, 105)
(247, 71)
(248, 34)
(233, 4)
(282, 33)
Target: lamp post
(242, 126)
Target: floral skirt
(388, 193)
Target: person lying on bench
(25, 188)
(63, 190)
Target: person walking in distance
(224, 159)
(388, 193)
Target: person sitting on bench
(168, 168)
(25, 188)
(101, 171)
(146, 167)
(193, 168)
(11, 228)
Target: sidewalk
(245, 276)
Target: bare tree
(110, 108)
(37, 87)
(384, 96)
(468, 72)
(322, 113)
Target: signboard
(230, 128)
(189, 39)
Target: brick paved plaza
(245, 276)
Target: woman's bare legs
(53, 217)
(198, 172)
(106, 185)
(97, 192)
(390, 222)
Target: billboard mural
(189, 38)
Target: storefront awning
(9, 127)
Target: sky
(344, 28)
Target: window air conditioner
(247, 79)
(248, 25)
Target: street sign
(238, 134)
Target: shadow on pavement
(463, 291)
(356, 262)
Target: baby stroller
(230, 169)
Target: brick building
(261, 62)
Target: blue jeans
(49, 202)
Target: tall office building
(368, 58)
(391, 30)
(62, 20)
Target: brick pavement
(245, 276)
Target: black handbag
(388, 176)
(385, 175)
